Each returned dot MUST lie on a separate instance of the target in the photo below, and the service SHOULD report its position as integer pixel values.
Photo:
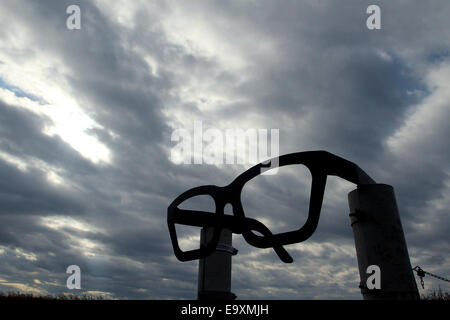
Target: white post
(379, 240)
(214, 274)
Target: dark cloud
(309, 68)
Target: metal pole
(379, 240)
(214, 273)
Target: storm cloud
(86, 118)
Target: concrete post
(214, 274)
(380, 241)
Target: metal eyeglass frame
(320, 164)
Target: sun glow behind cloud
(68, 122)
(39, 81)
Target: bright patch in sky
(69, 122)
(61, 222)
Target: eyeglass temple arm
(318, 162)
(347, 170)
(206, 219)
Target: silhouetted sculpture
(320, 163)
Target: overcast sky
(86, 118)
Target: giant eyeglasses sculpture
(320, 164)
